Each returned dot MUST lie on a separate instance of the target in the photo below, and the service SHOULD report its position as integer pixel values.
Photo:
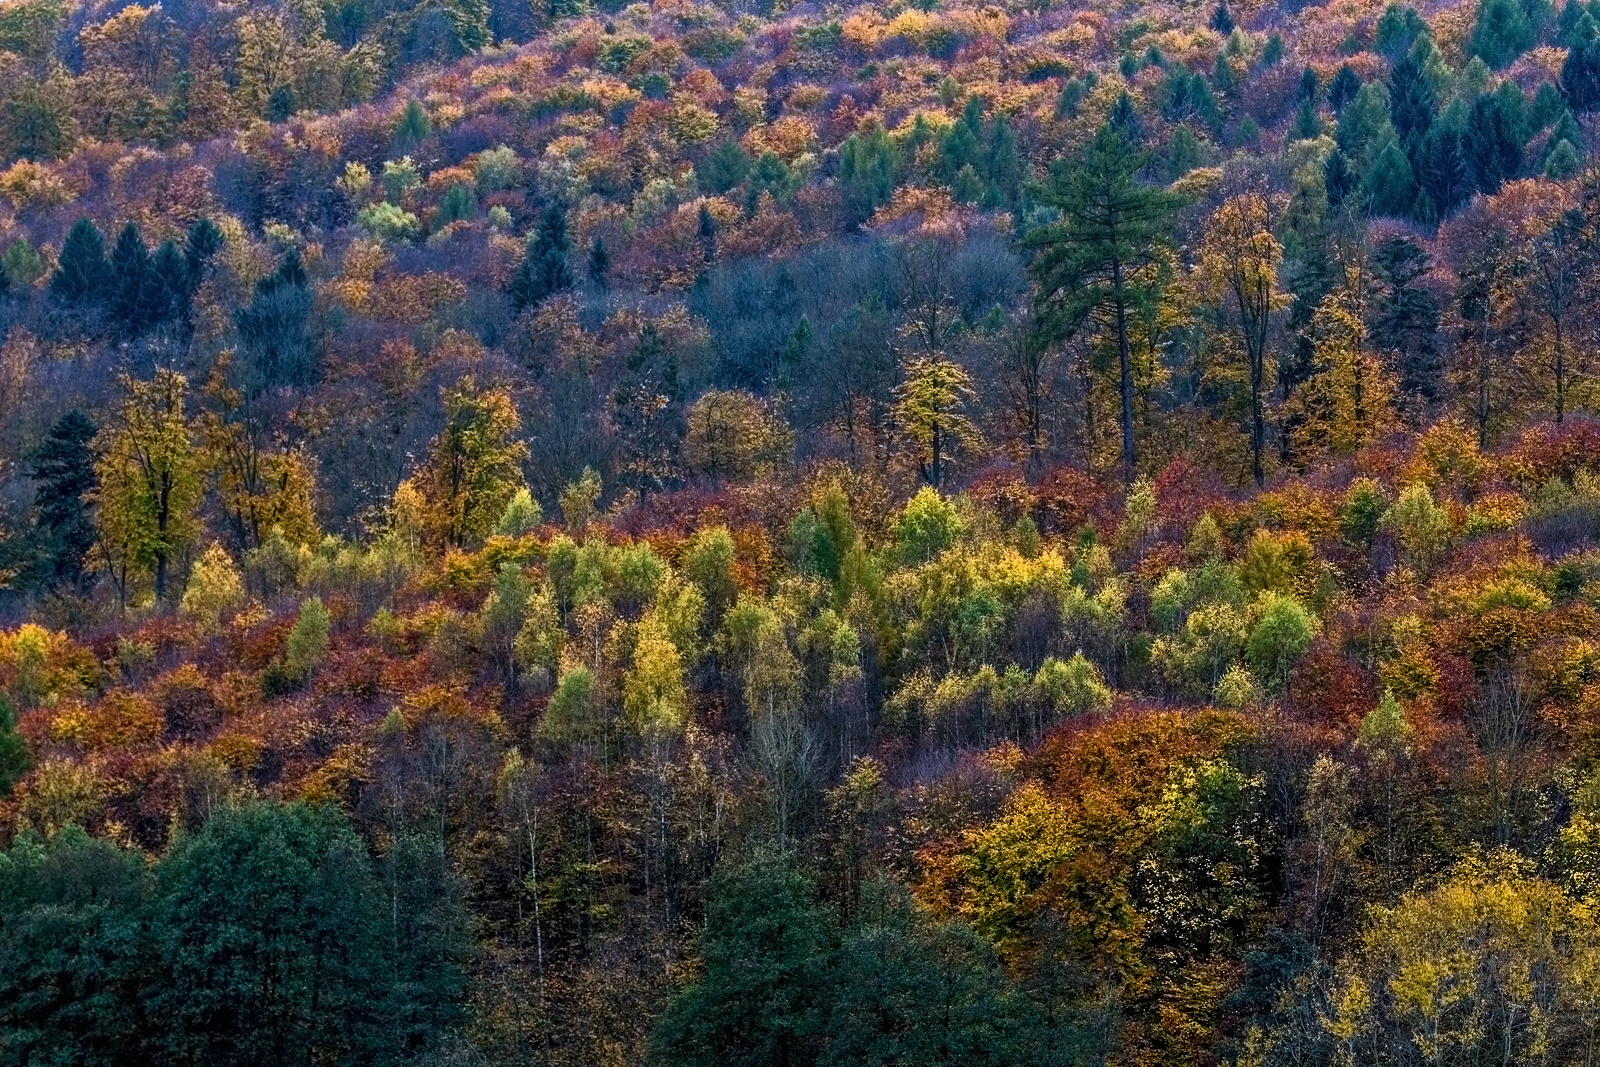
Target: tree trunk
(1125, 367)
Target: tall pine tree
(1092, 259)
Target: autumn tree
(1238, 268)
(930, 409)
(1111, 225)
(473, 467)
(150, 488)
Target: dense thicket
(896, 534)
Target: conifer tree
(545, 270)
(1111, 226)
(82, 276)
(64, 473)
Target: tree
(149, 475)
(1111, 226)
(545, 270)
(599, 265)
(307, 645)
(1580, 76)
(1389, 186)
(1343, 88)
(761, 995)
(273, 947)
(1559, 258)
(1411, 100)
(867, 169)
(1489, 961)
(1502, 32)
(412, 127)
(64, 475)
(82, 275)
(214, 588)
(1443, 172)
(1278, 638)
(653, 695)
(731, 435)
(724, 167)
(74, 966)
(929, 409)
(277, 347)
(15, 759)
(136, 299)
(1493, 143)
(1407, 320)
(909, 988)
(474, 465)
(647, 410)
(1239, 260)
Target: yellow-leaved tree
(474, 466)
(1348, 400)
(1238, 271)
(150, 482)
(929, 409)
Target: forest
(799, 533)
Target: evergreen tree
(1397, 29)
(1389, 187)
(762, 995)
(770, 175)
(599, 265)
(1222, 77)
(1182, 154)
(412, 127)
(64, 476)
(1125, 121)
(1306, 125)
(545, 270)
(1221, 20)
(1338, 178)
(1562, 161)
(15, 758)
(277, 347)
(1443, 172)
(202, 242)
(1493, 146)
(1002, 172)
(1580, 76)
(867, 169)
(1344, 87)
(458, 205)
(1407, 319)
(134, 289)
(170, 288)
(724, 167)
(1111, 226)
(1571, 12)
(1310, 88)
(1502, 32)
(82, 276)
(1411, 101)
(280, 104)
